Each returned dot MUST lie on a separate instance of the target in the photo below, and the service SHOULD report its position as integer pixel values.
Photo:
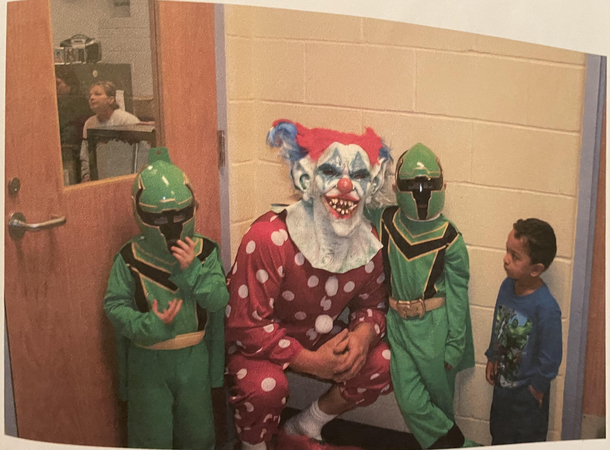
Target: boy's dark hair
(540, 239)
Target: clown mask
(342, 183)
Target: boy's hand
(184, 252)
(167, 316)
(491, 371)
(537, 395)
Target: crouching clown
(429, 327)
(294, 273)
(166, 296)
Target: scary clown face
(336, 173)
(341, 185)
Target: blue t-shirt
(526, 337)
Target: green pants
(169, 399)
(423, 387)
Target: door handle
(17, 226)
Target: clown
(165, 298)
(294, 273)
(428, 323)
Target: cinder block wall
(504, 117)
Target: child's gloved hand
(167, 316)
(184, 252)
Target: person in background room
(166, 297)
(102, 101)
(295, 271)
(429, 327)
(524, 353)
(72, 107)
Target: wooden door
(61, 344)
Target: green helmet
(163, 202)
(420, 191)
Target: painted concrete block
(278, 69)
(472, 86)
(290, 24)
(556, 403)
(449, 139)
(482, 322)
(486, 276)
(363, 76)
(508, 47)
(475, 393)
(558, 278)
(239, 68)
(556, 96)
(274, 187)
(417, 36)
(243, 193)
(537, 160)
(242, 138)
(486, 215)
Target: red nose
(345, 185)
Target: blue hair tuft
(284, 137)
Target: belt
(417, 307)
(180, 341)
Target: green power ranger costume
(428, 323)
(166, 370)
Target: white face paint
(341, 185)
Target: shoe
(285, 441)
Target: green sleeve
(119, 304)
(215, 341)
(457, 274)
(204, 282)
(207, 284)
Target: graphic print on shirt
(512, 330)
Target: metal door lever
(17, 226)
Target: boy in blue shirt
(525, 349)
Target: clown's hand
(323, 362)
(357, 350)
(167, 316)
(184, 252)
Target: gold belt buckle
(411, 308)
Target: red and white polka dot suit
(275, 298)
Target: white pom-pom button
(324, 324)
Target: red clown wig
(316, 140)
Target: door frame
(595, 95)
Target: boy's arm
(457, 275)
(204, 282)
(119, 305)
(550, 351)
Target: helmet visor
(419, 184)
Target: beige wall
(503, 116)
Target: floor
(343, 432)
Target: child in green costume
(166, 297)
(429, 328)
